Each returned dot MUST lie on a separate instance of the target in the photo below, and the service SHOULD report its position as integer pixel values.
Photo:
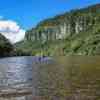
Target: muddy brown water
(68, 78)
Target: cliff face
(65, 25)
(76, 25)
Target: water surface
(56, 78)
(16, 75)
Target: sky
(16, 16)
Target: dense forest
(6, 48)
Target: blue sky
(29, 12)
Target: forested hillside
(6, 48)
(73, 33)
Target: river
(58, 78)
(16, 76)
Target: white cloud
(11, 30)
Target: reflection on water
(14, 71)
(59, 78)
(16, 75)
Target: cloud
(11, 30)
